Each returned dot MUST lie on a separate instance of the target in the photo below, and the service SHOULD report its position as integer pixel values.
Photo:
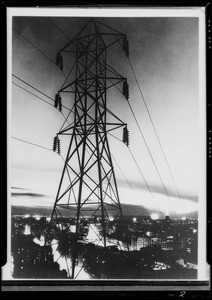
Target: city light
(40, 241)
(26, 216)
(37, 217)
(144, 245)
(154, 216)
(27, 230)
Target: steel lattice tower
(88, 183)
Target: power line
(161, 180)
(37, 145)
(74, 63)
(145, 181)
(154, 128)
(70, 110)
(158, 139)
(59, 29)
(66, 76)
(142, 133)
(32, 87)
(122, 172)
(154, 131)
(129, 182)
(36, 90)
(34, 45)
(66, 118)
(126, 179)
(147, 147)
(24, 141)
(32, 93)
(115, 137)
(128, 102)
(139, 172)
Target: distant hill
(127, 210)
(31, 210)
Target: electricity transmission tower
(88, 184)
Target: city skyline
(173, 252)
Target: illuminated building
(33, 261)
(143, 242)
(167, 243)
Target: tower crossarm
(90, 127)
(83, 35)
(80, 80)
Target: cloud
(34, 195)
(17, 188)
(136, 184)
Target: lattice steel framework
(88, 184)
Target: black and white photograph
(106, 139)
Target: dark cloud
(17, 188)
(27, 195)
(160, 190)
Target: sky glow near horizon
(164, 55)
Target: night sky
(164, 52)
